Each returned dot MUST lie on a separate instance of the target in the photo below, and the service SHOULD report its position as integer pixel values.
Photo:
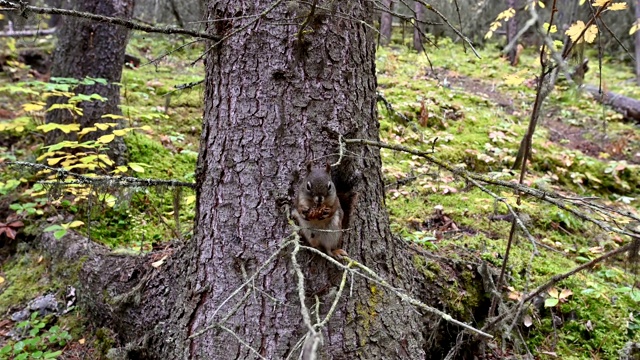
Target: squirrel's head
(318, 185)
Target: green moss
(430, 270)
(105, 340)
(367, 314)
(25, 278)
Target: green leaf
(6, 349)
(59, 234)
(18, 347)
(551, 302)
(53, 228)
(52, 355)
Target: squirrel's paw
(339, 253)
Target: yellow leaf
(53, 161)
(551, 30)
(120, 132)
(575, 30)
(105, 139)
(541, 4)
(618, 6)
(112, 116)
(136, 167)
(87, 130)
(582, 2)
(513, 80)
(553, 292)
(120, 170)
(600, 2)
(105, 126)
(590, 34)
(145, 128)
(81, 341)
(37, 106)
(506, 15)
(1, 278)
(634, 27)
(488, 35)
(75, 223)
(105, 159)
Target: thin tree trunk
(512, 30)
(92, 49)
(386, 23)
(418, 28)
(637, 11)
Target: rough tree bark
(276, 97)
(386, 23)
(87, 48)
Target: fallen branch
(25, 33)
(628, 107)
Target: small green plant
(38, 342)
(60, 230)
(29, 208)
(556, 297)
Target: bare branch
(25, 33)
(110, 181)
(25, 9)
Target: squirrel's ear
(328, 167)
(308, 167)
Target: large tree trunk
(386, 22)
(267, 113)
(276, 97)
(87, 48)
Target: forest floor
(589, 137)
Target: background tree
(386, 22)
(637, 43)
(418, 29)
(183, 13)
(93, 49)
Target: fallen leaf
(159, 263)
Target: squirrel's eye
(308, 185)
(329, 185)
